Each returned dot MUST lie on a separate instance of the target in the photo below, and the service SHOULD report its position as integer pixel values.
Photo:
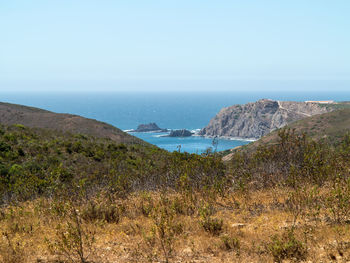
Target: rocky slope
(331, 126)
(37, 118)
(254, 120)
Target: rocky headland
(254, 120)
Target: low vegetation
(76, 198)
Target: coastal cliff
(254, 120)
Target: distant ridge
(38, 118)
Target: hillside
(76, 198)
(36, 162)
(37, 118)
(254, 120)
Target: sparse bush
(212, 225)
(165, 228)
(338, 199)
(101, 211)
(74, 240)
(11, 251)
(146, 204)
(287, 246)
(303, 202)
(230, 243)
(182, 206)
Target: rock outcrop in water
(180, 133)
(150, 127)
(254, 120)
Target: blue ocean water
(194, 144)
(172, 110)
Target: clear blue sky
(174, 44)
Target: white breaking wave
(164, 134)
(232, 138)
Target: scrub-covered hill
(38, 118)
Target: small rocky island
(150, 127)
(180, 133)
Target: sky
(196, 45)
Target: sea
(171, 110)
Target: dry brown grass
(249, 223)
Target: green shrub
(5, 147)
(20, 126)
